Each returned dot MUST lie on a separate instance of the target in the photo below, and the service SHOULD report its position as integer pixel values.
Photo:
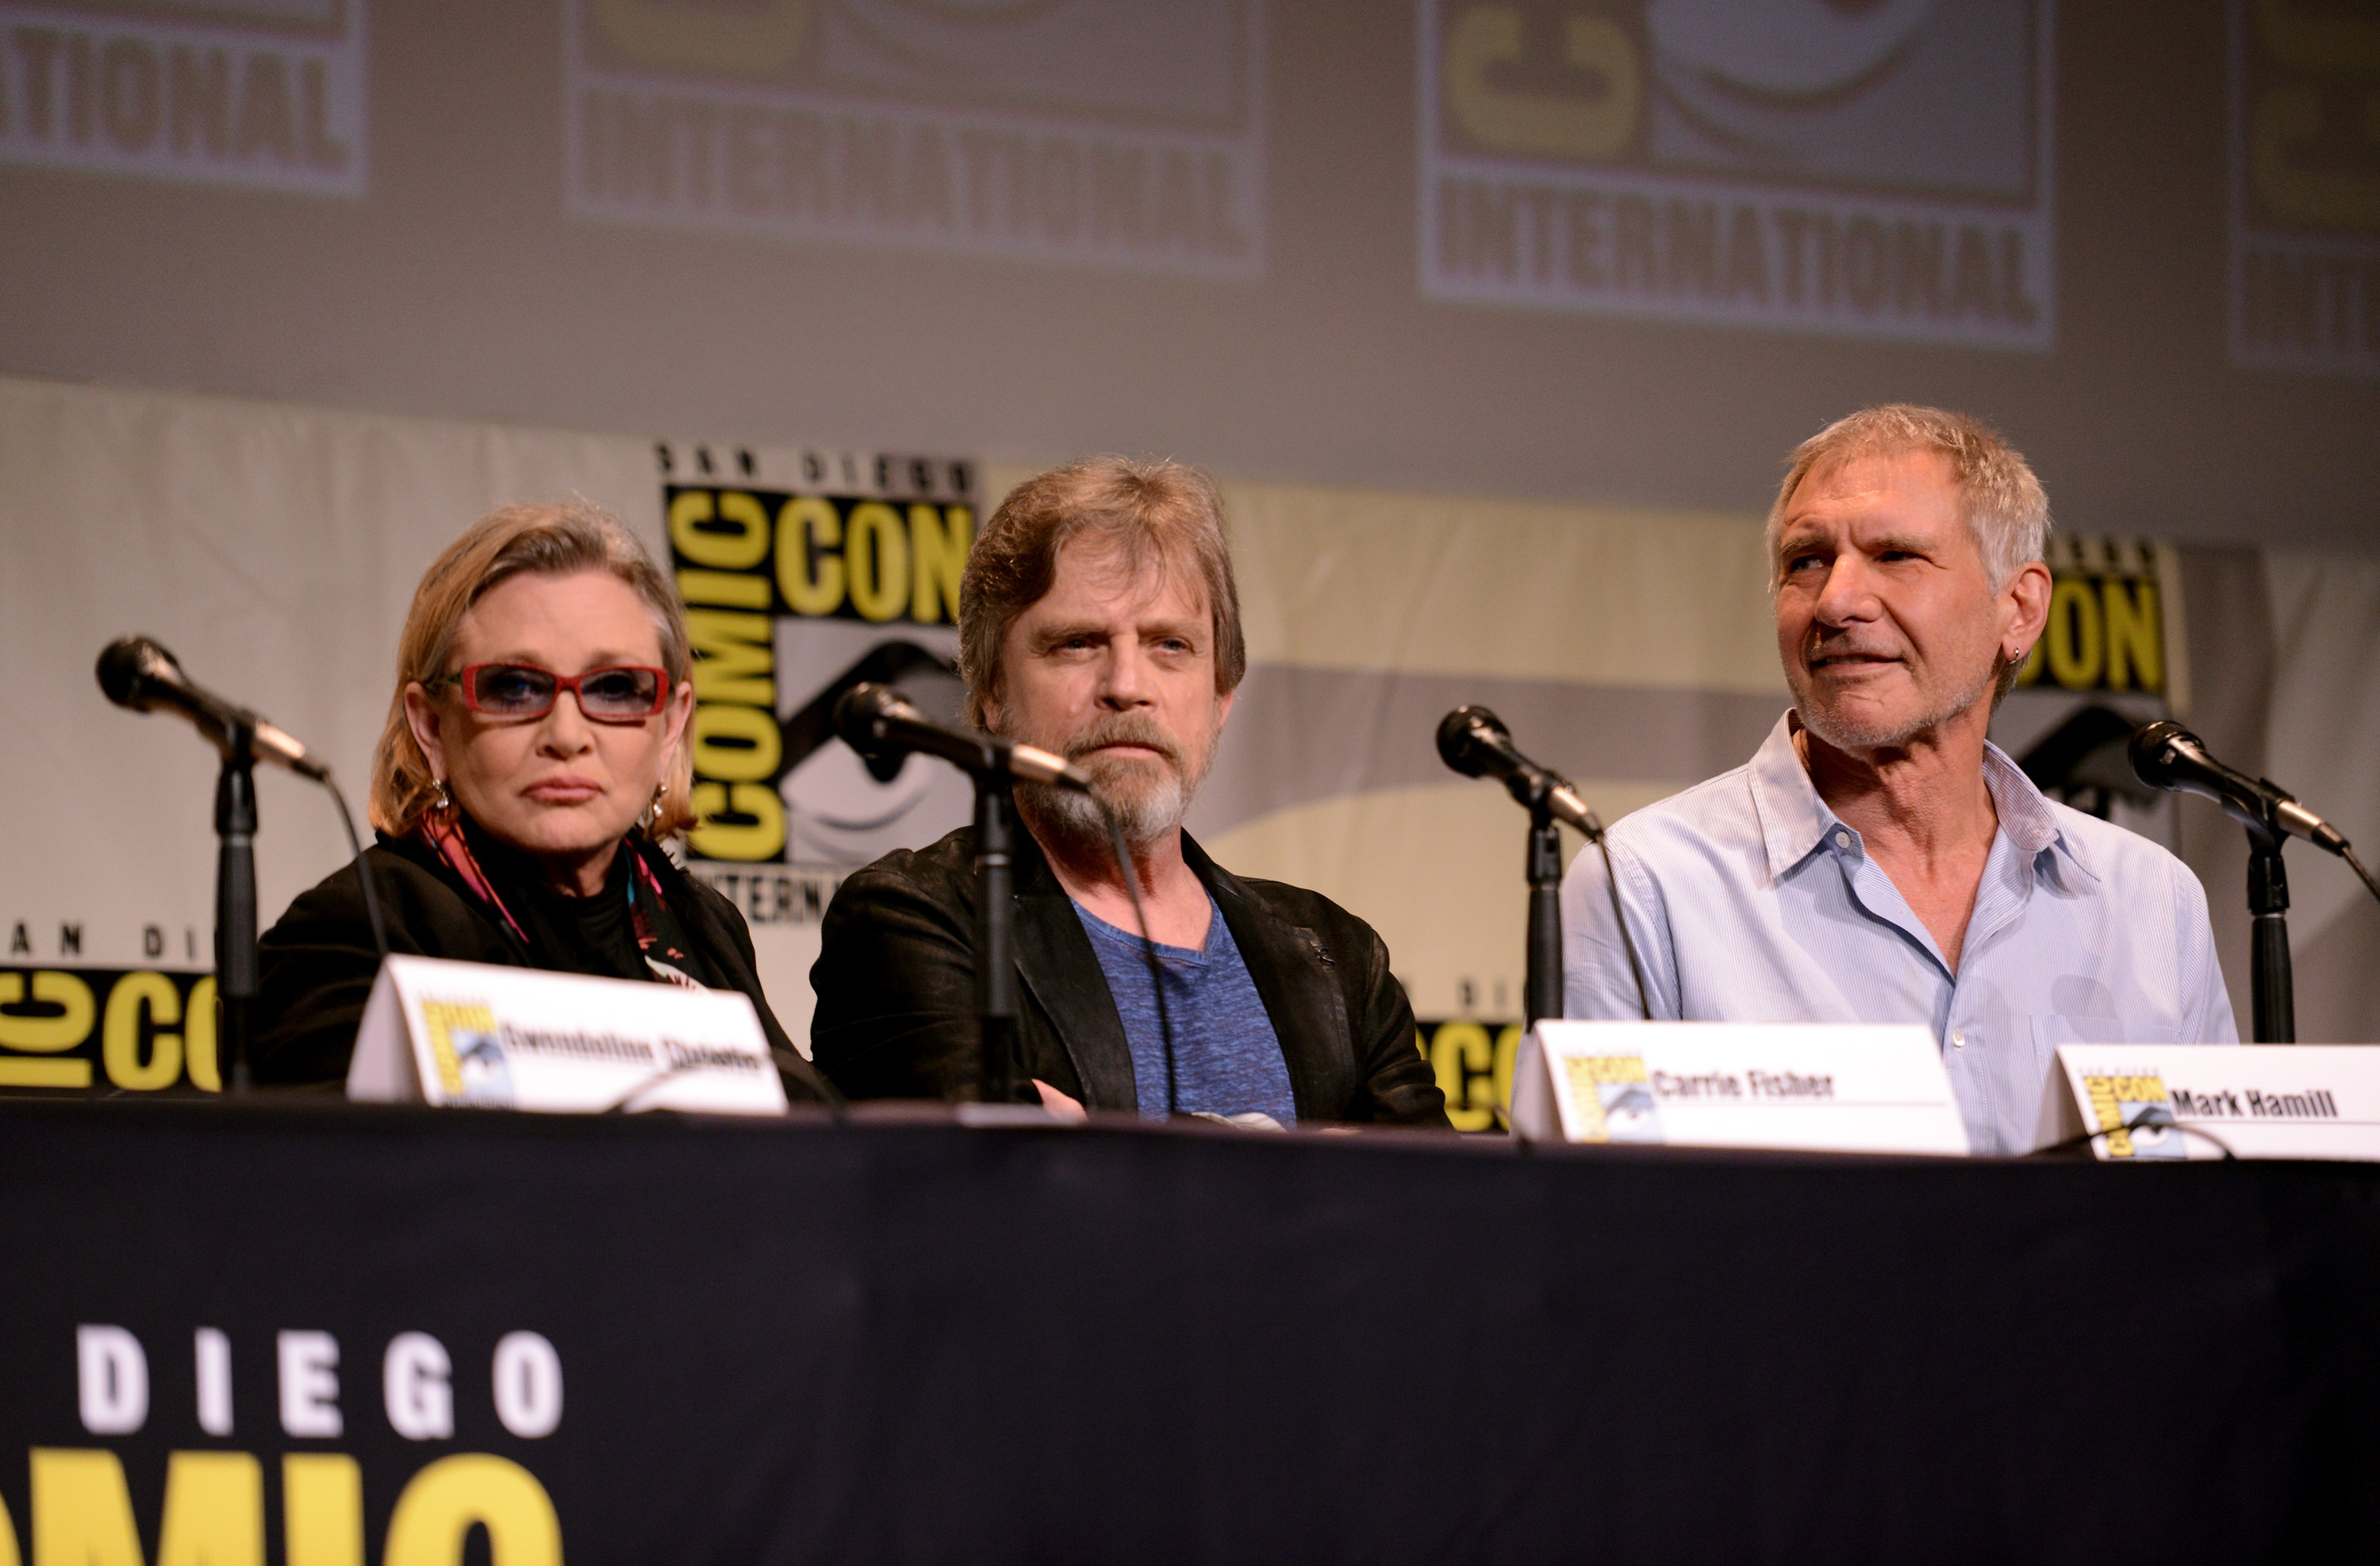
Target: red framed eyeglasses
(623, 693)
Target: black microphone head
(1464, 735)
(128, 667)
(2152, 760)
(860, 708)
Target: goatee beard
(1149, 796)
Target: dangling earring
(653, 811)
(444, 801)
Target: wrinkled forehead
(1907, 484)
(1138, 572)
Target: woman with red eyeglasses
(534, 762)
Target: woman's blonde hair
(556, 539)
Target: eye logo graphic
(264, 93)
(1876, 170)
(1110, 133)
(1611, 1099)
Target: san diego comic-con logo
(215, 1496)
(107, 1030)
(802, 579)
(1613, 1099)
(2108, 628)
(1877, 170)
(2134, 1116)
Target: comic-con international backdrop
(274, 548)
(1593, 250)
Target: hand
(1057, 1104)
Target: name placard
(466, 1033)
(1820, 1087)
(2195, 1100)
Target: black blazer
(319, 961)
(896, 985)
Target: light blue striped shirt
(1749, 900)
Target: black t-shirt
(591, 935)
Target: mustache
(1125, 728)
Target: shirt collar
(1794, 820)
(2024, 811)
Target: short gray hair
(2007, 512)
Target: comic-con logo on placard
(2305, 185)
(1110, 132)
(1612, 1098)
(2135, 1117)
(268, 93)
(1879, 170)
(798, 587)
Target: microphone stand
(995, 942)
(1542, 987)
(2270, 985)
(236, 962)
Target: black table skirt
(900, 1338)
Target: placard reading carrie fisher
(2168, 1101)
(1816, 1087)
(497, 1037)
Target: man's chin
(1147, 804)
(1855, 727)
(1863, 733)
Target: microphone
(873, 717)
(137, 673)
(2166, 756)
(1475, 742)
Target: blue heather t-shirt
(1227, 1059)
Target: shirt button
(1842, 838)
(1958, 1038)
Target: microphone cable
(363, 866)
(2349, 854)
(1148, 949)
(2143, 1120)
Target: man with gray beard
(1098, 618)
(1878, 861)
